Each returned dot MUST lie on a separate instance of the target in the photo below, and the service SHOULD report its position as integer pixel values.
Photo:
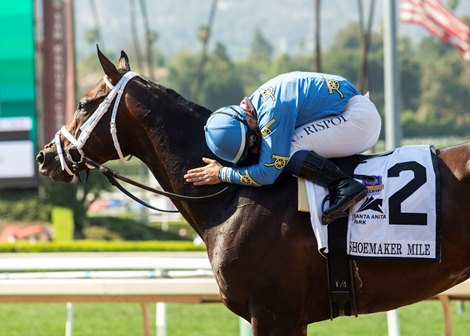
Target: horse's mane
(170, 97)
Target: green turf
(423, 319)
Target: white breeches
(354, 131)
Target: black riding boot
(344, 190)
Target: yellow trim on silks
(267, 92)
(247, 179)
(333, 85)
(279, 162)
(265, 130)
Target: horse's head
(90, 133)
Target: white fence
(115, 277)
(141, 278)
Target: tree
(281, 64)
(347, 38)
(285, 63)
(222, 85)
(76, 196)
(365, 30)
(443, 97)
(222, 82)
(317, 26)
(204, 34)
(410, 74)
(452, 4)
(182, 70)
(260, 48)
(135, 37)
(342, 58)
(150, 38)
(94, 35)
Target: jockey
(293, 122)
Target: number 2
(396, 216)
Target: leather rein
(111, 175)
(114, 176)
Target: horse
(261, 248)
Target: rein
(112, 176)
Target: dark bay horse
(262, 250)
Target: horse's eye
(81, 107)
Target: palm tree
(94, 35)
(135, 36)
(317, 35)
(365, 34)
(150, 37)
(204, 33)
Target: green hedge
(23, 205)
(101, 246)
(130, 229)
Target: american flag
(439, 21)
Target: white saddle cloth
(398, 218)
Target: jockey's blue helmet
(227, 133)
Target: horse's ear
(108, 67)
(124, 62)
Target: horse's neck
(174, 143)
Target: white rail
(111, 262)
(139, 279)
(188, 290)
(117, 277)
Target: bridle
(112, 176)
(91, 123)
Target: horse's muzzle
(49, 166)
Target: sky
(287, 25)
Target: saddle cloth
(399, 216)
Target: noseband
(91, 123)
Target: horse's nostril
(75, 154)
(40, 157)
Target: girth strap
(339, 270)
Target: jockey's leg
(344, 190)
(354, 131)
